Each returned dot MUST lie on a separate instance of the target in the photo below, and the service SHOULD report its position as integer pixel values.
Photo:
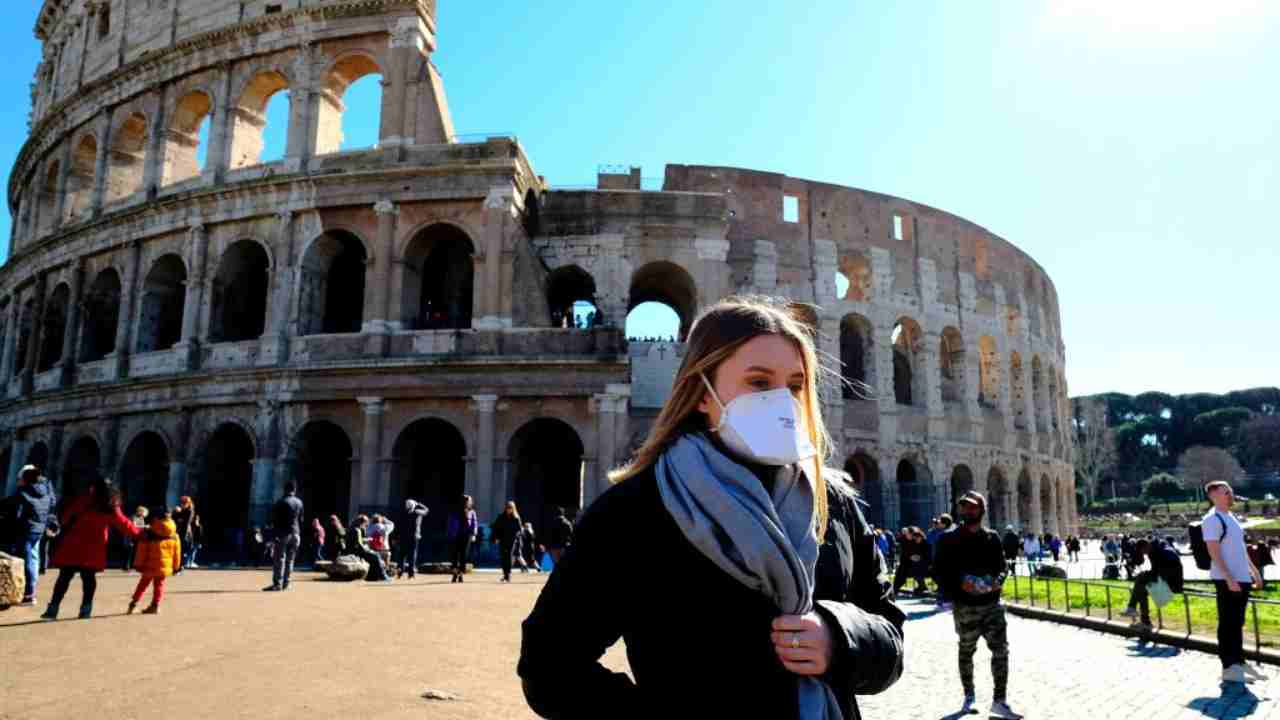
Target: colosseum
(401, 320)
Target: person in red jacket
(82, 547)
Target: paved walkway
(1063, 672)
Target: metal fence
(1100, 600)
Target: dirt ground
(221, 648)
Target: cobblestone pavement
(1058, 671)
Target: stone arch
(988, 372)
(54, 328)
(865, 475)
(1048, 505)
(857, 356)
(1055, 400)
(240, 290)
(321, 456)
(345, 71)
(439, 279)
(47, 201)
(915, 492)
(144, 472)
(951, 360)
(1026, 500)
(998, 498)
(101, 316)
(857, 272)
(332, 286)
(223, 495)
(566, 287)
(961, 483)
(248, 117)
(192, 112)
(82, 467)
(25, 330)
(668, 284)
(163, 304)
(80, 178)
(1038, 389)
(1017, 391)
(547, 466)
(126, 158)
(431, 467)
(909, 386)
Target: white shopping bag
(1161, 593)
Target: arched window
(188, 138)
(571, 297)
(54, 328)
(439, 279)
(26, 323)
(1017, 391)
(857, 357)
(951, 359)
(546, 470)
(668, 284)
(79, 195)
(47, 203)
(252, 117)
(101, 317)
(125, 160)
(163, 305)
(857, 275)
(355, 80)
(240, 293)
(915, 493)
(988, 372)
(331, 296)
(908, 378)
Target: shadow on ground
(1236, 701)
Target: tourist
(357, 545)
(139, 520)
(506, 529)
(560, 536)
(1012, 548)
(461, 532)
(286, 526)
(379, 535)
(915, 561)
(972, 569)
(317, 541)
(336, 538)
(892, 555)
(1233, 577)
(82, 550)
(1165, 565)
(1260, 556)
(1073, 548)
(159, 556)
(414, 511)
(1031, 548)
(188, 523)
(730, 495)
(27, 513)
(529, 550)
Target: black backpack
(1200, 550)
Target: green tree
(1162, 486)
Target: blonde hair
(716, 335)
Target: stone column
(712, 274)
(60, 198)
(178, 461)
(71, 331)
(153, 158)
(608, 407)
(378, 307)
(189, 345)
(33, 345)
(406, 43)
(264, 465)
(110, 456)
(125, 324)
(275, 340)
(485, 489)
(17, 459)
(100, 166)
(932, 373)
(370, 450)
(492, 304)
(9, 343)
(216, 162)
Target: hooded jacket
(30, 507)
(83, 542)
(159, 550)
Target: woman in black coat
(507, 529)
(749, 616)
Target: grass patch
(1070, 596)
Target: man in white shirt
(1233, 576)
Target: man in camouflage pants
(970, 568)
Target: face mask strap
(715, 397)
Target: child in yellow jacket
(159, 555)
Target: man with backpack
(1166, 566)
(1221, 539)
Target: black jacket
(1167, 564)
(561, 534)
(962, 553)
(27, 511)
(1012, 545)
(697, 640)
(286, 516)
(915, 556)
(413, 520)
(506, 529)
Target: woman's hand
(803, 643)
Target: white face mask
(763, 427)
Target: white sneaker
(1001, 709)
(1253, 672)
(1233, 674)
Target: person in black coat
(917, 558)
(701, 640)
(507, 529)
(26, 514)
(560, 536)
(1166, 564)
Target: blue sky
(1129, 146)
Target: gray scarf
(766, 543)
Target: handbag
(1161, 593)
